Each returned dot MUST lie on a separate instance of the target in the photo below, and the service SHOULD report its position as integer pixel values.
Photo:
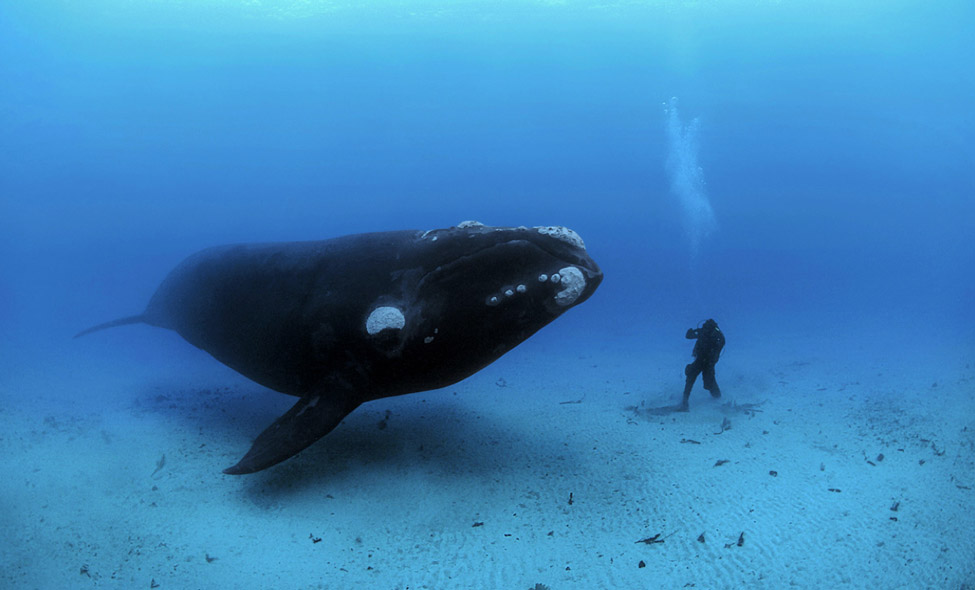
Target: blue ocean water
(825, 173)
(803, 172)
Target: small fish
(159, 465)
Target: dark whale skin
(343, 321)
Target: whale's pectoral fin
(311, 418)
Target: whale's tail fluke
(134, 319)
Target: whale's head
(519, 274)
(482, 291)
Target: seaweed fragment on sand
(651, 540)
(749, 409)
(738, 543)
(725, 425)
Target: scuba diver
(707, 349)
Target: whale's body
(343, 321)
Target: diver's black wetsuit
(707, 349)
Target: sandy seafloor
(470, 486)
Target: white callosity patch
(383, 318)
(542, 278)
(562, 233)
(573, 282)
(505, 294)
(467, 224)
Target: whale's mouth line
(560, 255)
(559, 242)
